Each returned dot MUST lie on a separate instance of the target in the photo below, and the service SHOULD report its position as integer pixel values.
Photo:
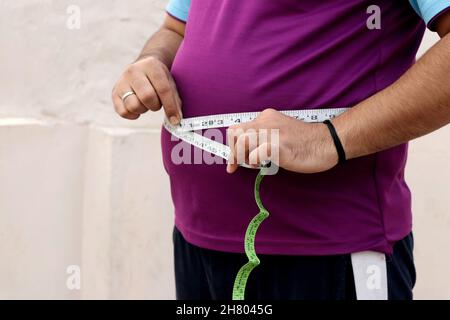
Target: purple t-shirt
(248, 55)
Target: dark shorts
(208, 274)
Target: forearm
(417, 104)
(165, 42)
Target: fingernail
(228, 168)
(174, 120)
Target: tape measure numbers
(185, 131)
(240, 282)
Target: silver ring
(127, 94)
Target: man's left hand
(301, 147)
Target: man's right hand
(154, 87)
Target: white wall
(80, 186)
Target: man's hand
(150, 79)
(302, 147)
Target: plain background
(81, 187)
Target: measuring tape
(253, 261)
(185, 132)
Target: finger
(260, 154)
(245, 143)
(120, 108)
(232, 136)
(146, 94)
(232, 165)
(134, 105)
(167, 93)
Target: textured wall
(80, 186)
(50, 71)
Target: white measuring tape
(185, 130)
(369, 268)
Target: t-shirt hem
(286, 248)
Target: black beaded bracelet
(337, 141)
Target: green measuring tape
(253, 260)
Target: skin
(415, 105)
(149, 76)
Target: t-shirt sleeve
(429, 10)
(179, 9)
